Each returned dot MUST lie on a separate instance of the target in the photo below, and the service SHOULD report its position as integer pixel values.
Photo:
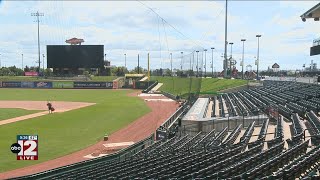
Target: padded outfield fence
(69, 84)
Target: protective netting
(183, 72)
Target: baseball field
(63, 133)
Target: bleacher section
(218, 152)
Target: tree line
(14, 71)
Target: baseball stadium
(92, 109)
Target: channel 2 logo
(26, 147)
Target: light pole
(125, 60)
(242, 64)
(22, 62)
(171, 63)
(257, 63)
(138, 64)
(212, 61)
(38, 14)
(181, 60)
(231, 43)
(205, 63)
(197, 64)
(225, 66)
(43, 62)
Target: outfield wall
(57, 84)
(69, 84)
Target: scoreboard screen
(315, 50)
(75, 56)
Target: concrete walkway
(144, 79)
(156, 87)
(209, 111)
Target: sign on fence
(27, 84)
(11, 84)
(108, 85)
(62, 84)
(43, 84)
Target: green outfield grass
(63, 133)
(177, 85)
(7, 113)
(181, 86)
(215, 84)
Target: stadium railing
(115, 157)
(150, 87)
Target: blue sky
(131, 28)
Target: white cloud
(130, 27)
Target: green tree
(167, 72)
(135, 70)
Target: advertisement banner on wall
(31, 73)
(27, 84)
(93, 85)
(42, 84)
(0, 84)
(62, 84)
(115, 84)
(109, 85)
(11, 84)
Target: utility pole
(148, 67)
(138, 65)
(225, 67)
(37, 14)
(171, 63)
(242, 63)
(125, 60)
(181, 60)
(22, 62)
(212, 61)
(43, 62)
(205, 63)
(197, 64)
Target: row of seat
(309, 105)
(299, 166)
(248, 163)
(232, 136)
(276, 162)
(261, 136)
(315, 122)
(301, 110)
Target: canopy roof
(314, 13)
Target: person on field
(50, 107)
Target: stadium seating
(216, 154)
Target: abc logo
(15, 148)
